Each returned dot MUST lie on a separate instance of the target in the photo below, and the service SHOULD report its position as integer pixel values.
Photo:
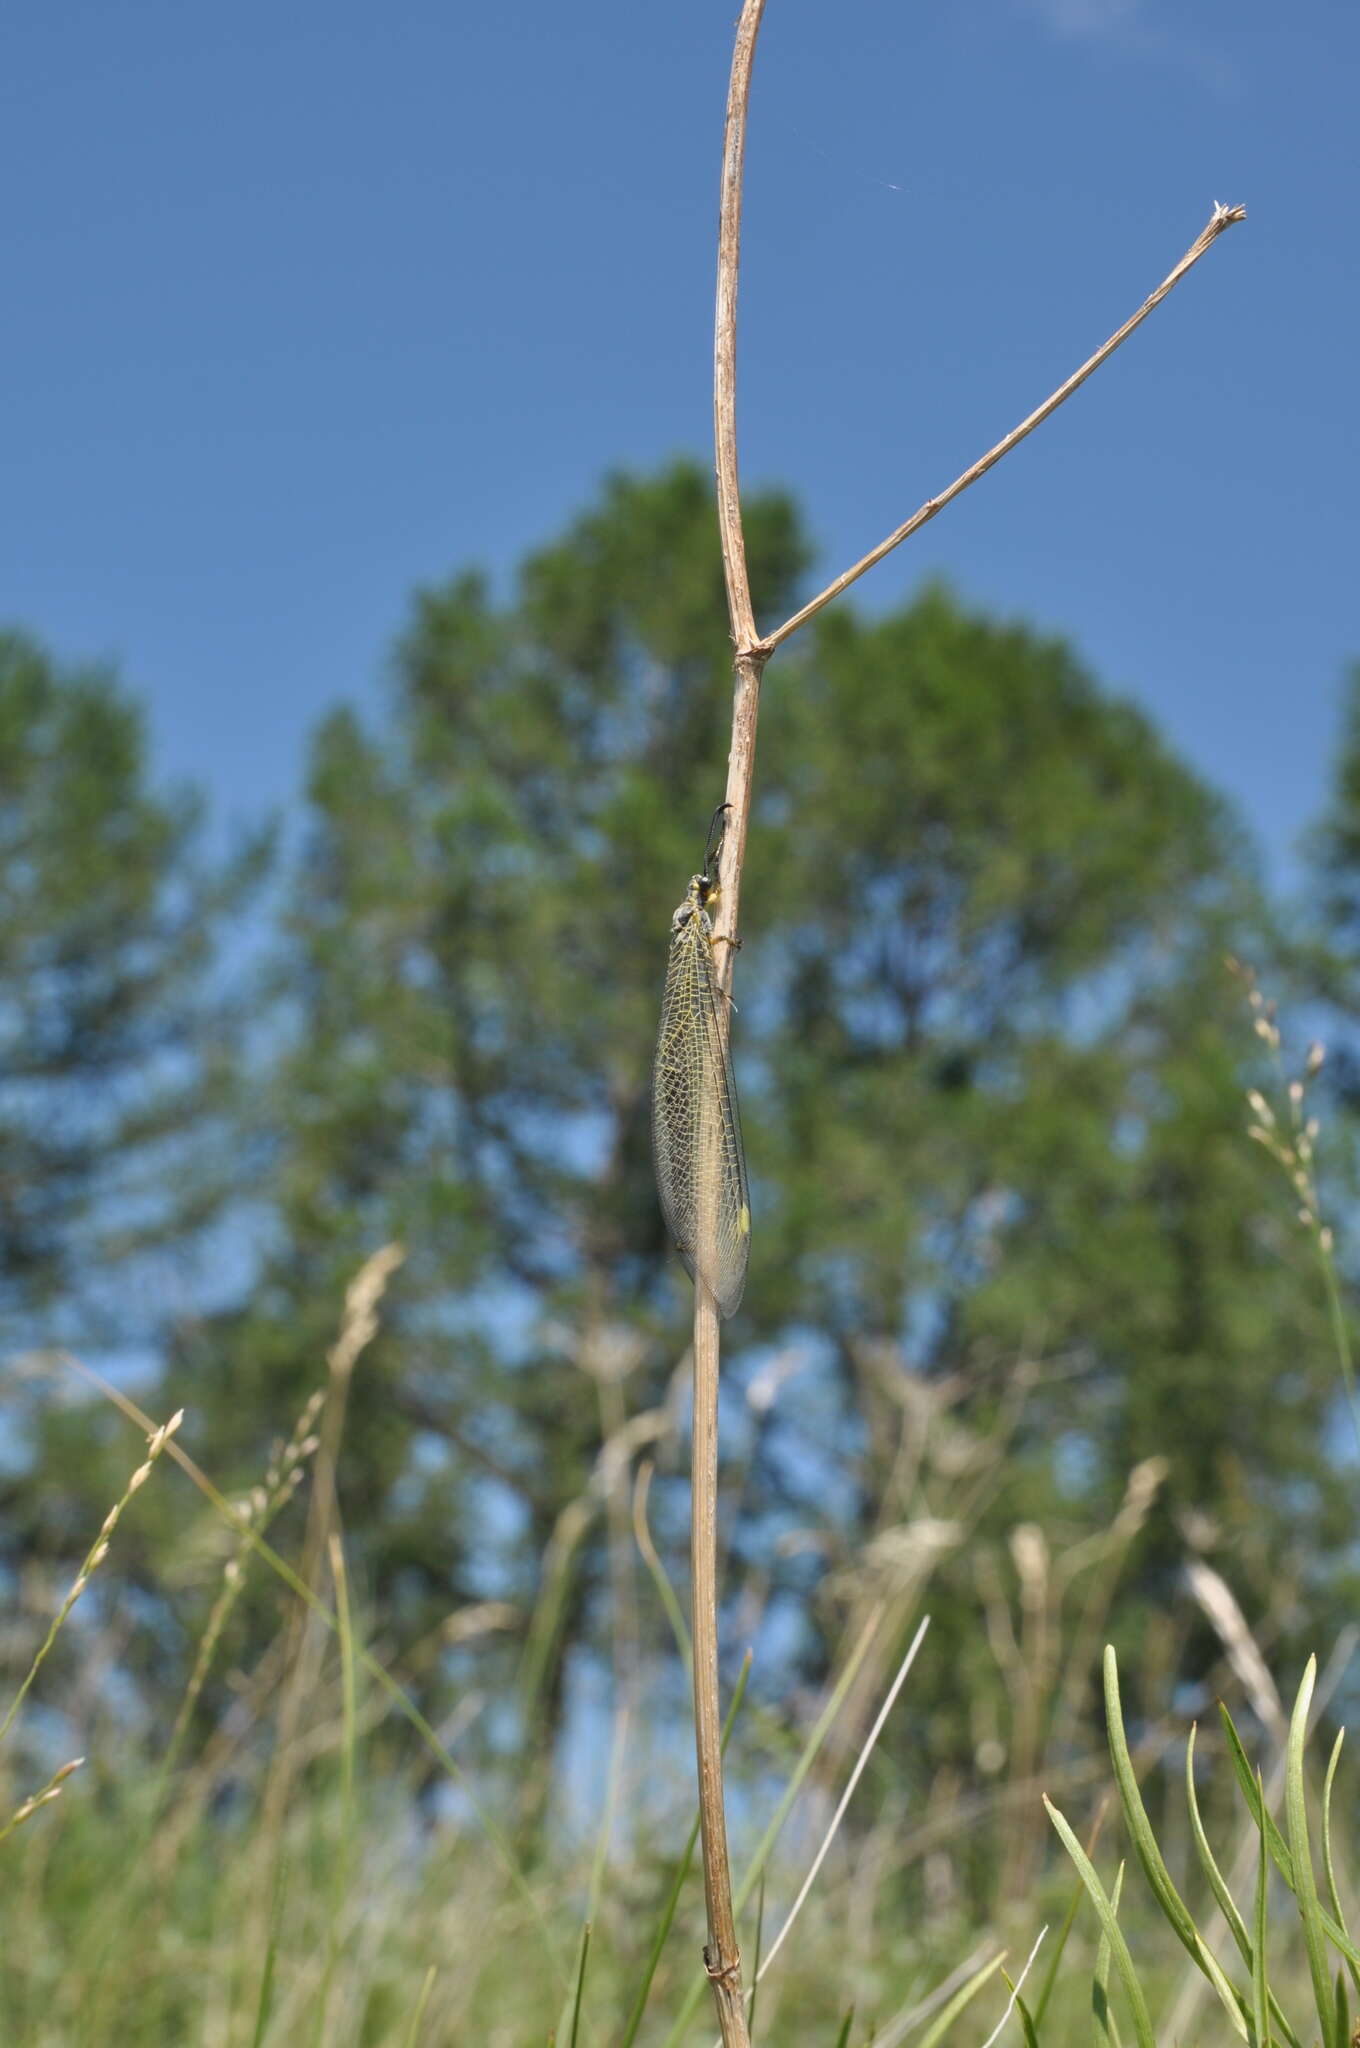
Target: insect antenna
(717, 832)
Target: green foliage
(1255, 2010)
(118, 1038)
(109, 915)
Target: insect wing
(696, 1126)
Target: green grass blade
(1260, 1999)
(1333, 1894)
(1106, 2032)
(344, 1850)
(668, 1911)
(413, 2031)
(1142, 2024)
(1275, 1841)
(1217, 1882)
(348, 1685)
(843, 2038)
(1150, 1856)
(964, 1996)
(663, 1928)
(1246, 1778)
(265, 2002)
(580, 1985)
(666, 1593)
(755, 1964)
(1031, 2032)
(1305, 1882)
(1051, 1973)
(1218, 1885)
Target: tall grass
(314, 1862)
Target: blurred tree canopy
(992, 1076)
(118, 1057)
(108, 919)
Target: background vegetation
(1037, 1339)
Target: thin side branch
(1222, 217)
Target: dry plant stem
(750, 656)
(725, 330)
(1221, 218)
(722, 1958)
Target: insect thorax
(700, 897)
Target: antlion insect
(696, 1127)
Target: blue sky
(308, 304)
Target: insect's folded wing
(725, 1202)
(696, 1128)
(676, 1080)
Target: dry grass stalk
(861, 1761)
(1219, 1604)
(358, 1327)
(51, 1790)
(156, 1441)
(257, 1511)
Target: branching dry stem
(751, 652)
